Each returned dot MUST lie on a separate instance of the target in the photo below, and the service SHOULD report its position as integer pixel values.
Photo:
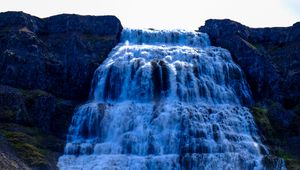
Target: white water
(165, 100)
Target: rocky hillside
(46, 67)
(270, 58)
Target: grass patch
(292, 164)
(263, 122)
(290, 161)
(31, 154)
(26, 148)
(284, 155)
(273, 133)
(250, 45)
(32, 145)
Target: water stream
(165, 100)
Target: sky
(168, 14)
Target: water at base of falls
(166, 100)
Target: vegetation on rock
(32, 145)
(276, 135)
(34, 123)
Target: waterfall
(166, 100)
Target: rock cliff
(57, 54)
(46, 67)
(270, 58)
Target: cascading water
(165, 100)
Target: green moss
(249, 44)
(31, 154)
(25, 149)
(292, 164)
(260, 111)
(284, 155)
(16, 137)
(262, 120)
(31, 144)
(273, 133)
(290, 161)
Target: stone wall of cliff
(57, 54)
(46, 68)
(270, 58)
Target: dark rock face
(12, 105)
(270, 57)
(36, 108)
(57, 54)
(45, 119)
(41, 107)
(46, 67)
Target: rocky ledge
(270, 58)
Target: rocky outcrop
(57, 54)
(12, 105)
(46, 68)
(270, 58)
(36, 108)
